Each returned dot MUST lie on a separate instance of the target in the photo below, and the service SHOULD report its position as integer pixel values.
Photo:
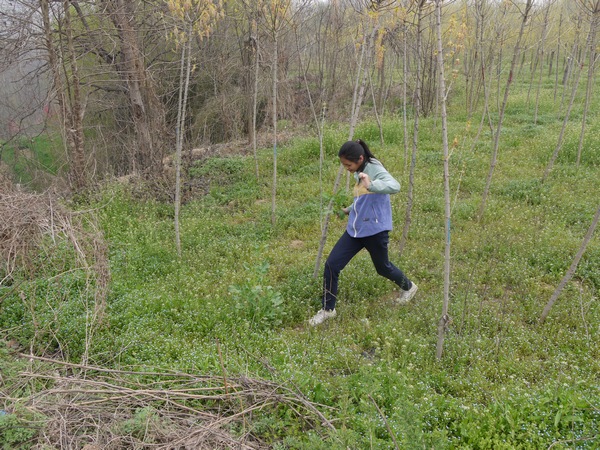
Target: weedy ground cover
(33, 161)
(238, 299)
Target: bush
(260, 306)
(17, 430)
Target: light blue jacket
(371, 211)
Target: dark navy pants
(345, 249)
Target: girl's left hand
(364, 179)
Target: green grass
(27, 158)
(505, 380)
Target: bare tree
(445, 318)
(594, 11)
(334, 30)
(319, 123)
(416, 111)
(404, 94)
(184, 77)
(497, 45)
(147, 112)
(249, 49)
(275, 15)
(484, 70)
(573, 268)
(255, 95)
(24, 80)
(591, 37)
(513, 63)
(75, 132)
(475, 61)
(541, 51)
(572, 57)
(357, 99)
(65, 83)
(557, 51)
(190, 18)
(362, 75)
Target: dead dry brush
(98, 408)
(34, 228)
(77, 406)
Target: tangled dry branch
(114, 409)
(24, 219)
(32, 228)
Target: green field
(238, 300)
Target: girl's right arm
(382, 182)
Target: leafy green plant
(219, 168)
(138, 425)
(17, 430)
(259, 305)
(533, 192)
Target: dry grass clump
(32, 223)
(95, 408)
(24, 219)
(34, 228)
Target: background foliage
(505, 380)
(234, 306)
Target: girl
(369, 223)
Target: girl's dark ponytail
(368, 154)
(353, 150)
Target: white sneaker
(321, 317)
(406, 296)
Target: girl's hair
(353, 150)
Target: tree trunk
(580, 64)
(541, 53)
(383, 86)
(478, 60)
(274, 107)
(146, 110)
(184, 83)
(356, 103)
(535, 57)
(331, 63)
(75, 130)
(590, 78)
(486, 89)
(319, 125)
(503, 108)
(360, 85)
(444, 319)
(247, 52)
(558, 46)
(404, 94)
(71, 110)
(415, 140)
(255, 96)
(375, 112)
(499, 42)
(570, 60)
(573, 268)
